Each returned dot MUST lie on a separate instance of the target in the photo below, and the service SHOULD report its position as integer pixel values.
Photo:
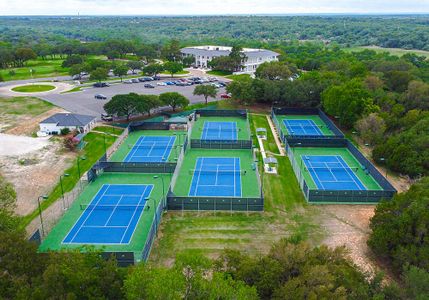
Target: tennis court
(216, 176)
(221, 128)
(151, 149)
(331, 172)
(302, 127)
(220, 131)
(112, 215)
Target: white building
(55, 123)
(254, 57)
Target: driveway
(83, 102)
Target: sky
(208, 7)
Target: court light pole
(62, 189)
(163, 187)
(40, 212)
(382, 159)
(79, 158)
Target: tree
(72, 60)
(99, 74)
(273, 70)
(206, 91)
(399, 228)
(241, 91)
(373, 83)
(371, 128)
(76, 69)
(24, 54)
(153, 69)
(135, 65)
(1, 78)
(171, 51)
(416, 282)
(124, 105)
(347, 101)
(174, 100)
(147, 103)
(417, 95)
(120, 71)
(173, 67)
(7, 195)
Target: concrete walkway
(276, 136)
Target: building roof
(225, 51)
(66, 119)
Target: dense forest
(406, 31)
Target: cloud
(206, 7)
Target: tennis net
(217, 172)
(327, 169)
(220, 129)
(111, 207)
(150, 146)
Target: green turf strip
(132, 138)
(242, 125)
(316, 119)
(367, 180)
(249, 181)
(59, 232)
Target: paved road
(83, 102)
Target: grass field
(15, 110)
(41, 68)
(132, 138)
(392, 51)
(109, 129)
(178, 73)
(316, 119)
(249, 183)
(93, 150)
(238, 77)
(368, 181)
(58, 233)
(33, 88)
(243, 133)
(218, 73)
(286, 214)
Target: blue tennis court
(302, 127)
(112, 215)
(216, 176)
(220, 131)
(151, 149)
(331, 172)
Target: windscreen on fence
(215, 203)
(222, 113)
(221, 144)
(137, 167)
(339, 196)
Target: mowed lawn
(286, 213)
(41, 68)
(391, 51)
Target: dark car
(149, 86)
(135, 80)
(156, 78)
(100, 84)
(100, 96)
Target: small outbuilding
(55, 123)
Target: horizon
(210, 8)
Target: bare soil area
(348, 225)
(33, 166)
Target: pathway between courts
(276, 136)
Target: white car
(161, 84)
(128, 81)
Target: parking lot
(83, 102)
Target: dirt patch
(348, 225)
(34, 171)
(26, 125)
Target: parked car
(169, 83)
(156, 78)
(221, 83)
(106, 117)
(225, 96)
(149, 86)
(100, 84)
(135, 80)
(100, 96)
(161, 83)
(127, 81)
(212, 79)
(216, 85)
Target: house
(254, 57)
(55, 123)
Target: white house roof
(225, 51)
(66, 119)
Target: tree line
(383, 99)
(408, 31)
